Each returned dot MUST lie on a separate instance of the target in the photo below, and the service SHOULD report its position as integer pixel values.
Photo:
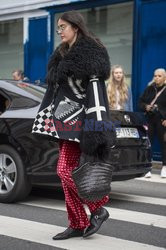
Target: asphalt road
(137, 219)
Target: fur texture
(97, 143)
(86, 58)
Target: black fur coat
(77, 96)
(86, 58)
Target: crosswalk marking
(115, 213)
(138, 217)
(42, 233)
(138, 198)
(154, 178)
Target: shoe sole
(95, 230)
(65, 238)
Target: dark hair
(77, 21)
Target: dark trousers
(156, 128)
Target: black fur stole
(86, 58)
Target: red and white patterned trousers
(68, 160)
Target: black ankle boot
(96, 220)
(69, 233)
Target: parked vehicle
(27, 159)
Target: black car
(27, 159)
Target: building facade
(133, 31)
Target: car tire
(14, 184)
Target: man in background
(18, 75)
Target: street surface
(137, 220)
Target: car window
(22, 95)
(4, 103)
(37, 91)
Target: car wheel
(14, 184)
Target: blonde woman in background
(119, 93)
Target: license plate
(127, 133)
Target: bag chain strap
(157, 95)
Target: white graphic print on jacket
(68, 111)
(76, 87)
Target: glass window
(37, 91)
(113, 25)
(11, 47)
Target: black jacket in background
(147, 97)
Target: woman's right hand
(148, 107)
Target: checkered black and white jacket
(75, 103)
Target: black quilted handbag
(93, 180)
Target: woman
(153, 102)
(76, 74)
(119, 94)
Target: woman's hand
(148, 107)
(164, 123)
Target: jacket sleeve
(162, 113)
(162, 106)
(98, 133)
(129, 103)
(143, 100)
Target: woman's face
(67, 33)
(159, 77)
(118, 74)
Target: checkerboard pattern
(43, 123)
